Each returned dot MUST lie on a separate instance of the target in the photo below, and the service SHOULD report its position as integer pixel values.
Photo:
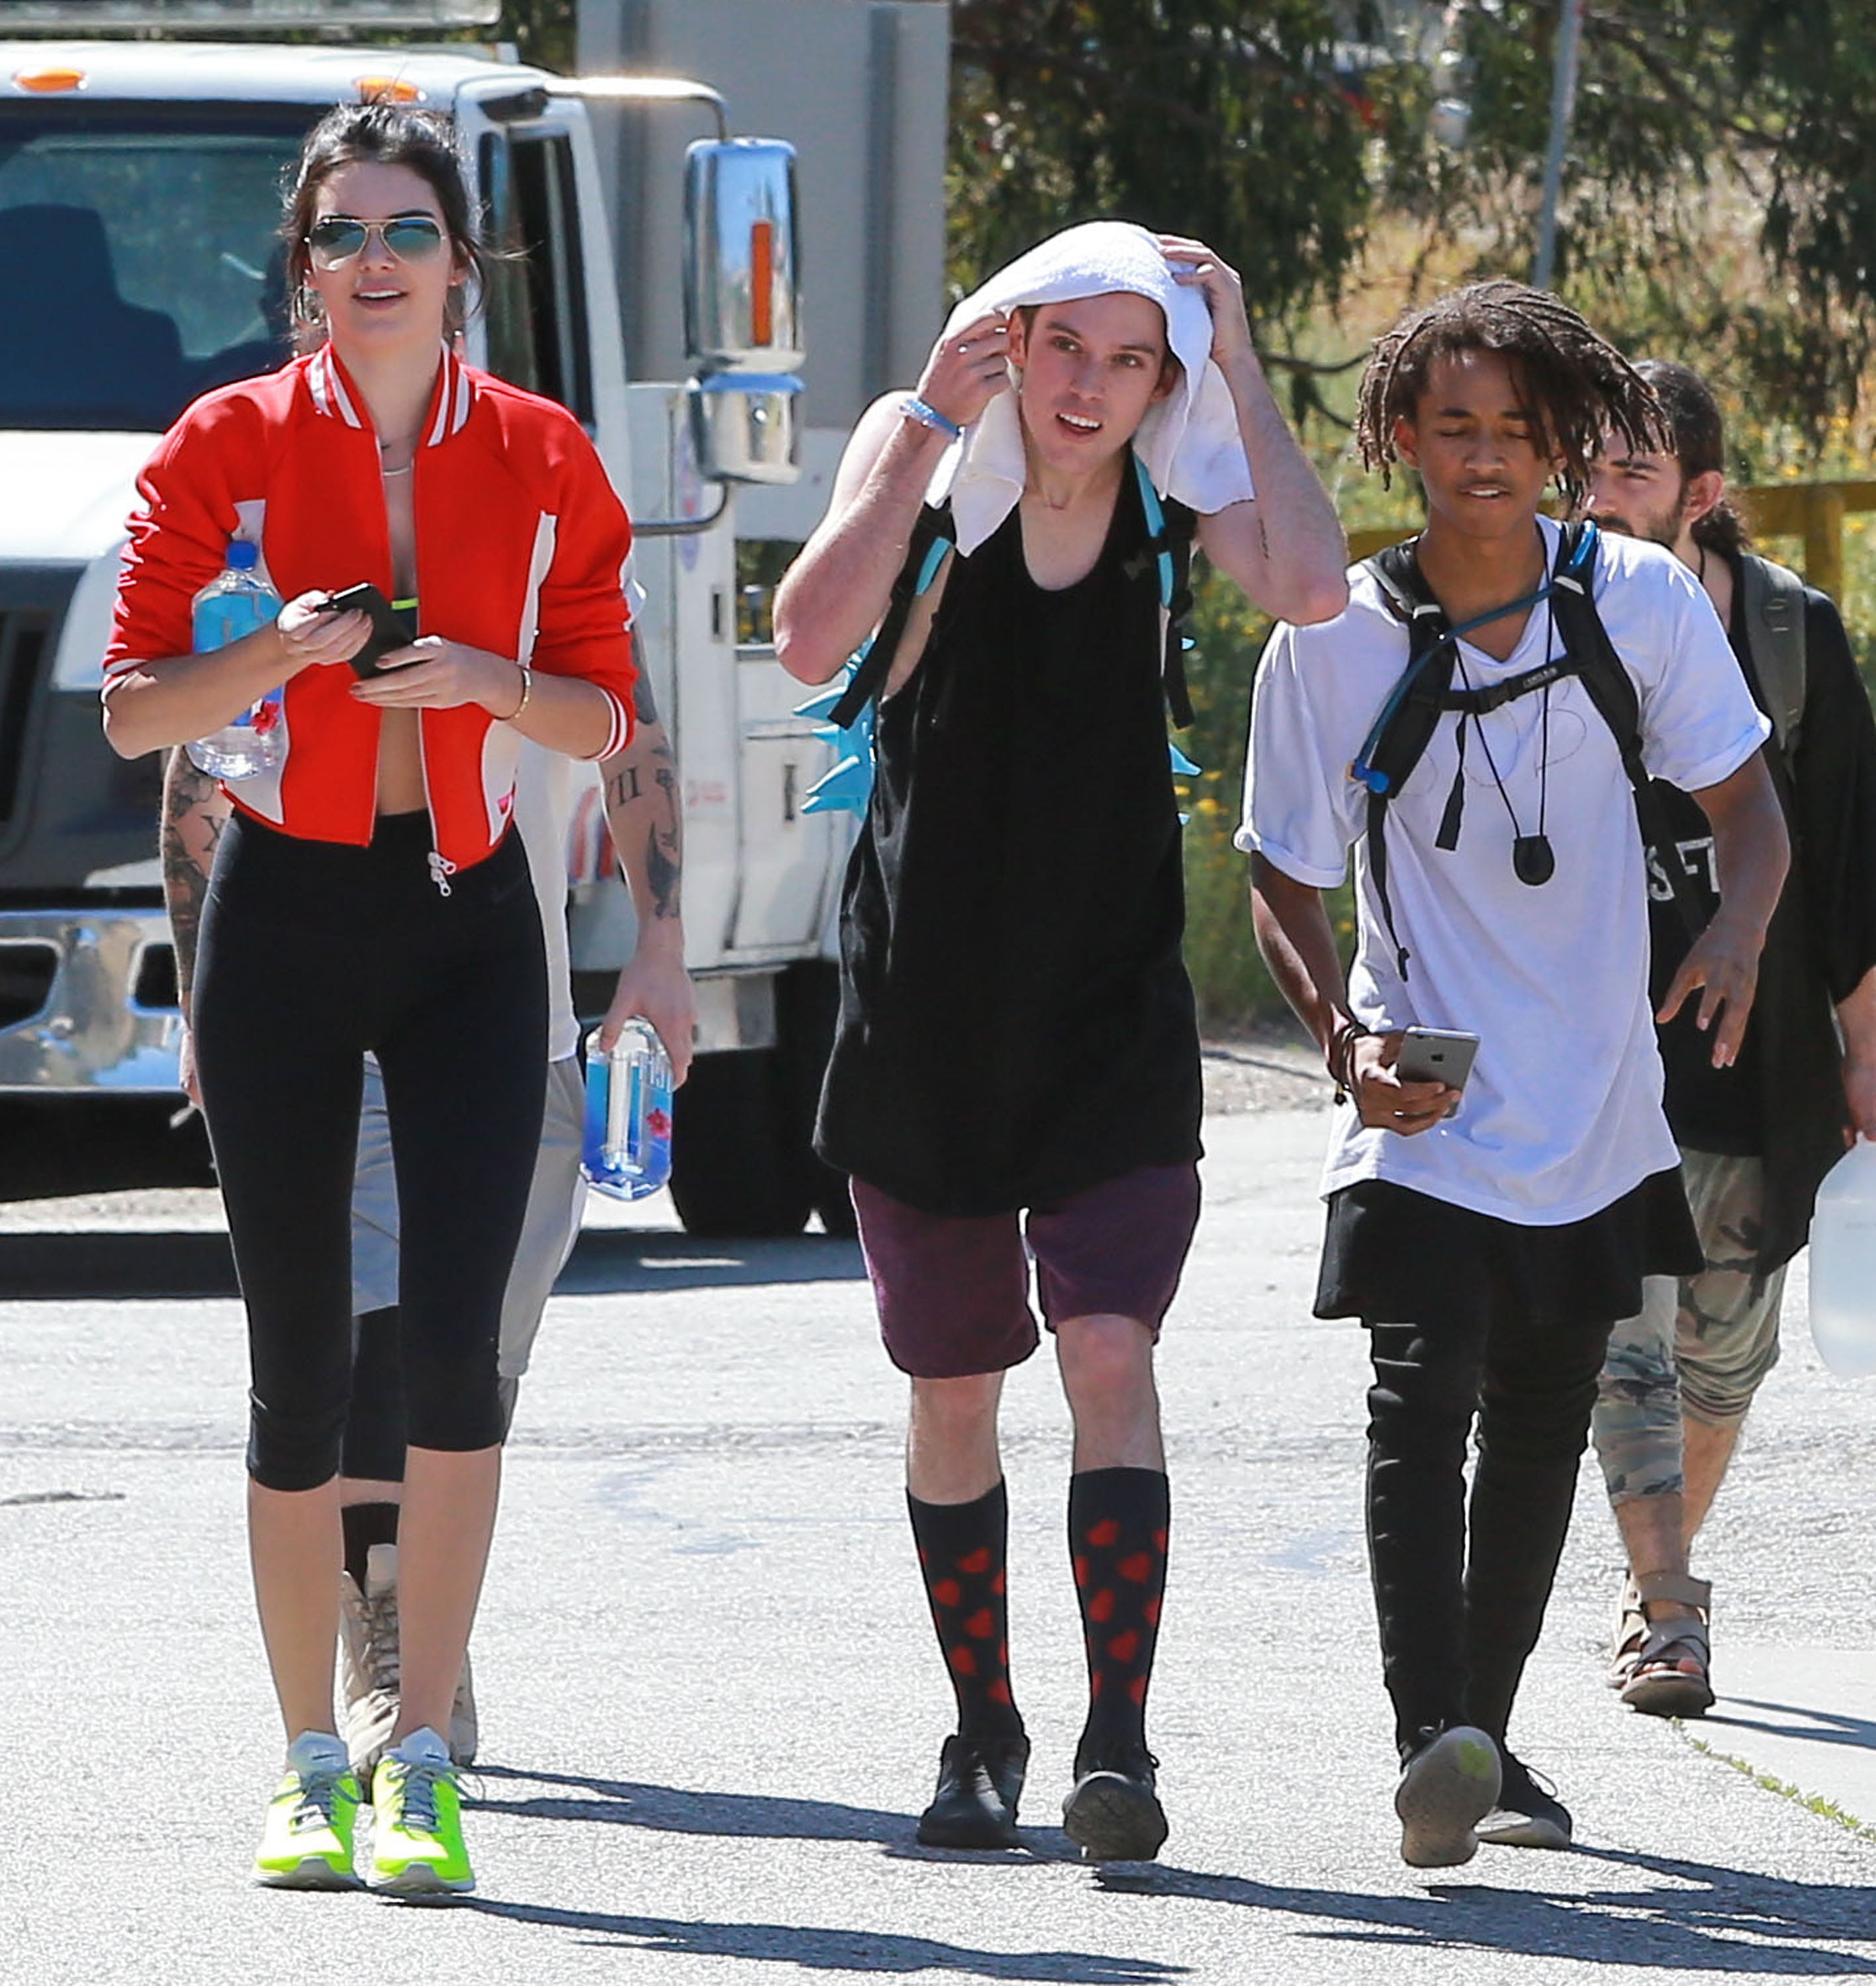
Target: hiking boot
(1113, 1814)
(369, 1670)
(464, 1731)
(1446, 1787)
(417, 1847)
(306, 1843)
(980, 1783)
(1525, 1814)
(369, 1660)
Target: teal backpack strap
(933, 536)
(1174, 556)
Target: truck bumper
(87, 1002)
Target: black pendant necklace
(1534, 861)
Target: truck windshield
(139, 264)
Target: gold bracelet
(527, 690)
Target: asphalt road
(711, 1702)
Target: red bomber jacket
(520, 545)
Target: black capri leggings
(311, 953)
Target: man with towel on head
(1017, 1051)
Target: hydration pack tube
(1398, 740)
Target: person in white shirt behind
(1487, 1239)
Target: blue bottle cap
(242, 556)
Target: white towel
(1190, 441)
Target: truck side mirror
(742, 307)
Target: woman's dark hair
(1695, 433)
(1580, 388)
(378, 133)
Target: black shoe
(1113, 1814)
(980, 1783)
(1449, 1785)
(1527, 1815)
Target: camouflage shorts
(1702, 1345)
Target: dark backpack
(1424, 693)
(1774, 607)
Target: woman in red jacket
(368, 895)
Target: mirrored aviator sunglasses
(409, 238)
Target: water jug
(235, 603)
(626, 1151)
(1843, 1265)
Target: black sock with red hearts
(961, 1551)
(1117, 1522)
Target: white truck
(138, 192)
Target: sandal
(1626, 1637)
(1669, 1676)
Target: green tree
(544, 31)
(1215, 118)
(1698, 125)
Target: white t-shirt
(1563, 1113)
(545, 785)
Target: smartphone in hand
(389, 629)
(1437, 1055)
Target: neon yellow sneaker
(307, 1842)
(417, 1841)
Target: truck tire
(736, 1165)
(808, 1008)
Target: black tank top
(1016, 1024)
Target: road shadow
(605, 1261)
(1712, 1920)
(1807, 1724)
(815, 1948)
(1701, 1918)
(677, 1810)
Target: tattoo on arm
(194, 815)
(664, 857)
(644, 703)
(645, 814)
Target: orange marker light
(762, 282)
(388, 89)
(48, 81)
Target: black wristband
(1341, 1056)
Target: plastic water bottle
(1843, 1265)
(626, 1151)
(234, 603)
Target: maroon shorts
(954, 1291)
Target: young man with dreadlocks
(1488, 1241)
(1757, 1138)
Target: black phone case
(390, 629)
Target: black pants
(377, 1428)
(1507, 1325)
(1460, 1597)
(312, 952)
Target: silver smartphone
(1437, 1055)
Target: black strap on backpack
(1172, 552)
(933, 536)
(1773, 608)
(1399, 738)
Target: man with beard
(1756, 1138)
